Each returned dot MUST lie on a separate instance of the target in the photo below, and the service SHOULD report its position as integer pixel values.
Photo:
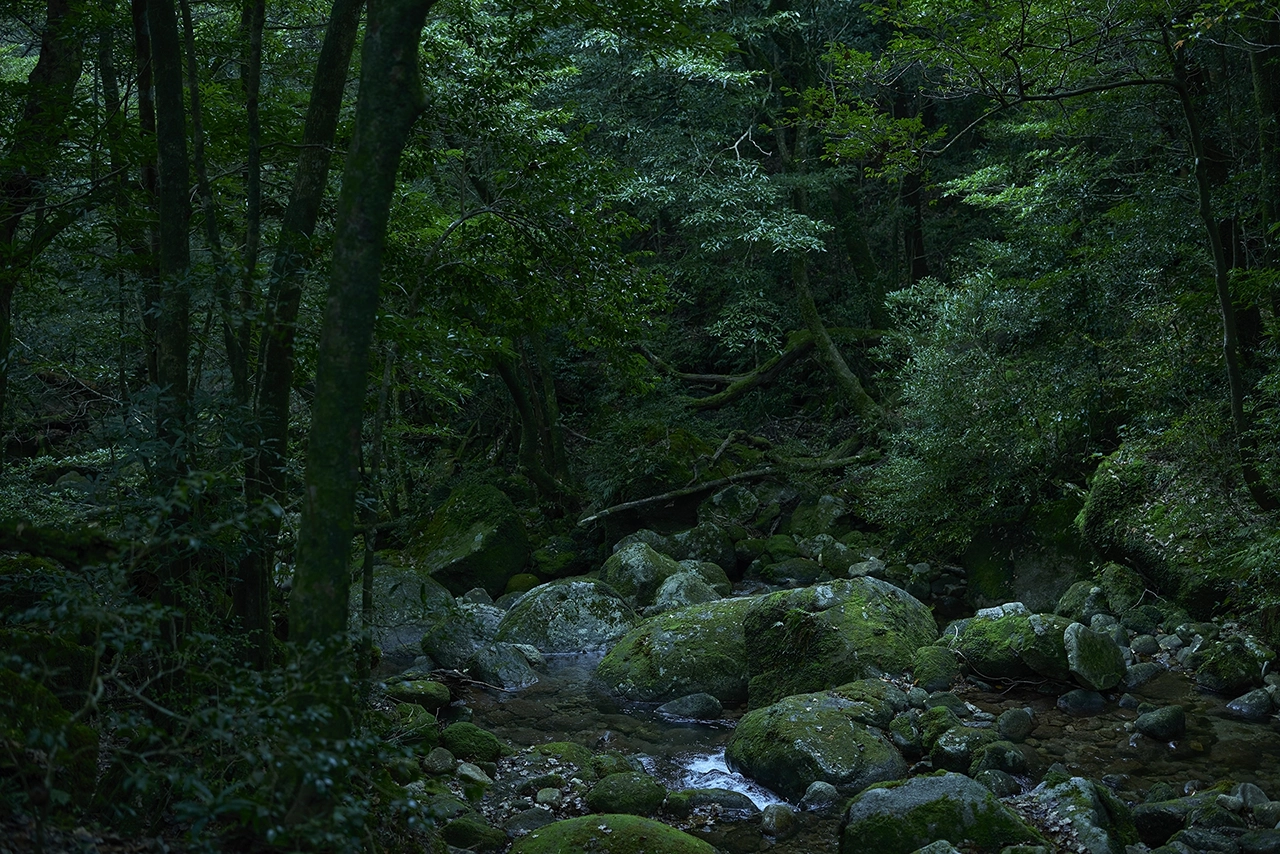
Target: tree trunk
(389, 102)
(1265, 65)
(149, 247)
(531, 451)
(265, 478)
(253, 22)
(1231, 354)
(27, 159)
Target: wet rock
(476, 596)
(1231, 803)
(570, 615)
(618, 833)
(1144, 645)
(1268, 814)
(1250, 795)
(779, 821)
(549, 797)
(699, 649)
(1266, 841)
(527, 821)
(807, 737)
(1001, 783)
(955, 749)
(711, 573)
(705, 542)
(935, 668)
(502, 665)
(816, 637)
(946, 699)
(1081, 601)
(1229, 668)
(476, 538)
(793, 571)
(917, 697)
(1254, 705)
(658, 542)
(733, 505)
(681, 590)
(631, 793)
(472, 832)
(701, 707)
(1081, 703)
(821, 515)
(1209, 814)
(726, 802)
(1137, 675)
(904, 732)
(470, 742)
(998, 756)
(637, 571)
(1205, 841)
(819, 797)
(1166, 724)
(459, 632)
(1011, 646)
(1014, 724)
(902, 817)
(439, 761)
(469, 772)
(424, 692)
(1095, 660)
(1100, 822)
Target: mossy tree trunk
(389, 102)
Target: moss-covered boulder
(503, 665)
(424, 692)
(569, 615)
(456, 633)
(629, 792)
(406, 605)
(711, 573)
(699, 649)
(1012, 646)
(610, 834)
(1099, 821)
(1095, 660)
(412, 724)
(808, 737)
(735, 505)
(954, 749)
(1230, 667)
(1082, 601)
(637, 571)
(899, 818)
(32, 717)
(471, 832)
(822, 514)
(63, 667)
(683, 589)
(467, 741)
(1033, 561)
(475, 539)
(706, 541)
(818, 637)
(935, 668)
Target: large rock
(699, 649)
(900, 818)
(476, 539)
(1013, 645)
(1095, 660)
(502, 665)
(683, 589)
(637, 571)
(817, 637)
(1033, 561)
(569, 615)
(825, 514)
(733, 505)
(610, 834)
(457, 633)
(706, 541)
(406, 605)
(1100, 822)
(808, 737)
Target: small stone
(439, 761)
(476, 596)
(1164, 724)
(1081, 703)
(1137, 675)
(1171, 643)
(778, 821)
(1145, 645)
(1128, 701)
(549, 797)
(469, 773)
(917, 697)
(1252, 706)
(1014, 724)
(821, 796)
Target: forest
(538, 427)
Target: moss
(935, 668)
(63, 667)
(988, 646)
(934, 722)
(637, 572)
(423, 692)
(475, 539)
(1122, 586)
(415, 725)
(629, 792)
(467, 741)
(566, 751)
(27, 710)
(471, 832)
(522, 582)
(615, 834)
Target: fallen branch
(756, 474)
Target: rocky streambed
(655, 705)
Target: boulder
(424, 692)
(460, 631)
(699, 649)
(808, 737)
(817, 637)
(1122, 586)
(698, 707)
(1012, 645)
(1015, 724)
(954, 750)
(681, 590)
(935, 668)
(406, 605)
(825, 514)
(727, 803)
(1082, 703)
(637, 571)
(707, 542)
(1082, 601)
(899, 818)
(476, 538)
(569, 615)
(467, 741)
(711, 573)
(1033, 561)
(1095, 660)
(1253, 705)
(1100, 822)
(630, 792)
(660, 543)
(1165, 724)
(621, 834)
(1230, 667)
(733, 505)
(502, 665)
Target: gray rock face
(682, 589)
(406, 604)
(1254, 705)
(1093, 813)
(503, 665)
(570, 615)
(699, 707)
(808, 737)
(637, 571)
(901, 818)
(707, 542)
(1096, 662)
(475, 538)
(459, 633)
